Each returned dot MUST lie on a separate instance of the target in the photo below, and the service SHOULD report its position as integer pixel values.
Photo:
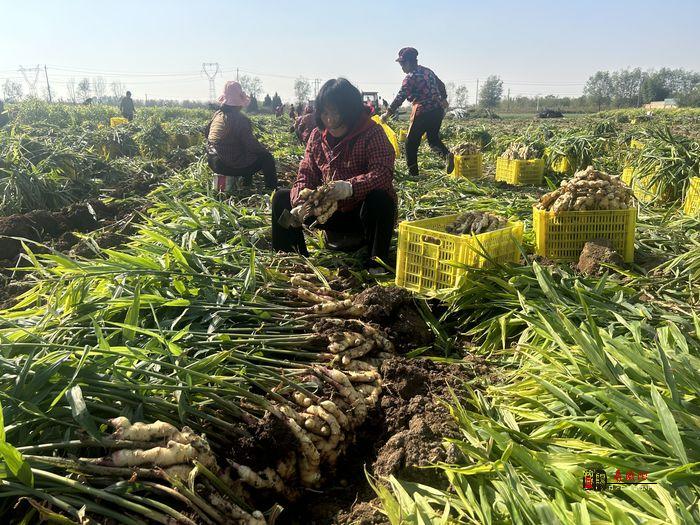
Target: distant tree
(625, 86)
(70, 87)
(267, 103)
(599, 88)
(118, 89)
(84, 89)
(461, 97)
(491, 92)
(276, 100)
(253, 106)
(251, 85)
(302, 90)
(100, 87)
(653, 89)
(12, 91)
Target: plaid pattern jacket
(422, 88)
(365, 158)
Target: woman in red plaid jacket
(350, 152)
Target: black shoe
(450, 164)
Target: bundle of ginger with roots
(589, 190)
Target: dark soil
(404, 432)
(395, 309)
(269, 441)
(595, 254)
(43, 225)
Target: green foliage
(491, 92)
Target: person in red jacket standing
(351, 153)
(428, 95)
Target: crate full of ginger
(521, 164)
(591, 205)
(433, 253)
(468, 161)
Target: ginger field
(159, 363)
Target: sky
(156, 48)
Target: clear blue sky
(157, 47)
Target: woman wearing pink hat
(232, 148)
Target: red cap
(407, 53)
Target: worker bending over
(427, 94)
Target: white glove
(340, 190)
(299, 213)
(385, 117)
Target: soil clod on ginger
(595, 254)
(394, 309)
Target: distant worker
(232, 149)
(427, 94)
(352, 155)
(385, 105)
(279, 110)
(4, 117)
(305, 124)
(300, 108)
(126, 106)
(292, 113)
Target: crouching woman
(351, 154)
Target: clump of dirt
(417, 422)
(139, 184)
(10, 291)
(362, 513)
(394, 309)
(270, 440)
(596, 253)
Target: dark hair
(128, 93)
(344, 97)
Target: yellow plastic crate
(427, 255)
(520, 171)
(389, 134)
(643, 190)
(691, 205)
(469, 166)
(561, 165)
(117, 121)
(561, 237)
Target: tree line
(603, 90)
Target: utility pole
(210, 69)
(509, 100)
(237, 75)
(476, 97)
(48, 86)
(317, 82)
(146, 102)
(31, 83)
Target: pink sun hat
(233, 95)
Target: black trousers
(264, 161)
(428, 123)
(374, 219)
